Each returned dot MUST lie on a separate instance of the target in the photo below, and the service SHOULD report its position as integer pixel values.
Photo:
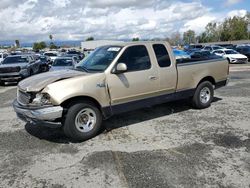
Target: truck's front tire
(203, 96)
(82, 121)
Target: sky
(35, 20)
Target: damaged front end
(34, 105)
(36, 108)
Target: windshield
(231, 52)
(100, 59)
(62, 62)
(16, 59)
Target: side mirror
(120, 68)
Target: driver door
(140, 81)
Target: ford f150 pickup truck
(17, 67)
(115, 79)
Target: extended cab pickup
(115, 79)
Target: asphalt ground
(169, 145)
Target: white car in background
(52, 55)
(231, 55)
(212, 48)
(3, 56)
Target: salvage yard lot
(169, 145)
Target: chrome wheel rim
(85, 120)
(205, 95)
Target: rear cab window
(162, 55)
(136, 58)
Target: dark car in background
(73, 56)
(17, 67)
(44, 62)
(192, 47)
(76, 53)
(245, 50)
(61, 63)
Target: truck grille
(23, 98)
(9, 69)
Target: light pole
(248, 29)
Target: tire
(31, 72)
(82, 121)
(203, 96)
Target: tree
(17, 43)
(175, 39)
(135, 39)
(189, 37)
(90, 39)
(53, 46)
(234, 28)
(37, 46)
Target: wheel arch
(207, 78)
(70, 101)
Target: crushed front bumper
(45, 116)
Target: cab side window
(136, 58)
(162, 55)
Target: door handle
(152, 78)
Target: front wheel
(82, 121)
(203, 95)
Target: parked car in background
(3, 56)
(115, 79)
(17, 67)
(51, 54)
(180, 54)
(73, 56)
(231, 55)
(200, 54)
(228, 46)
(76, 53)
(44, 63)
(61, 63)
(192, 47)
(245, 50)
(212, 48)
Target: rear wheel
(203, 95)
(82, 121)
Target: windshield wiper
(81, 68)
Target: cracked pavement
(169, 145)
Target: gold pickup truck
(115, 79)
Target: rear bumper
(45, 116)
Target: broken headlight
(41, 99)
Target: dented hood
(38, 82)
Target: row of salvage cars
(15, 67)
(237, 54)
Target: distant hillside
(30, 44)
